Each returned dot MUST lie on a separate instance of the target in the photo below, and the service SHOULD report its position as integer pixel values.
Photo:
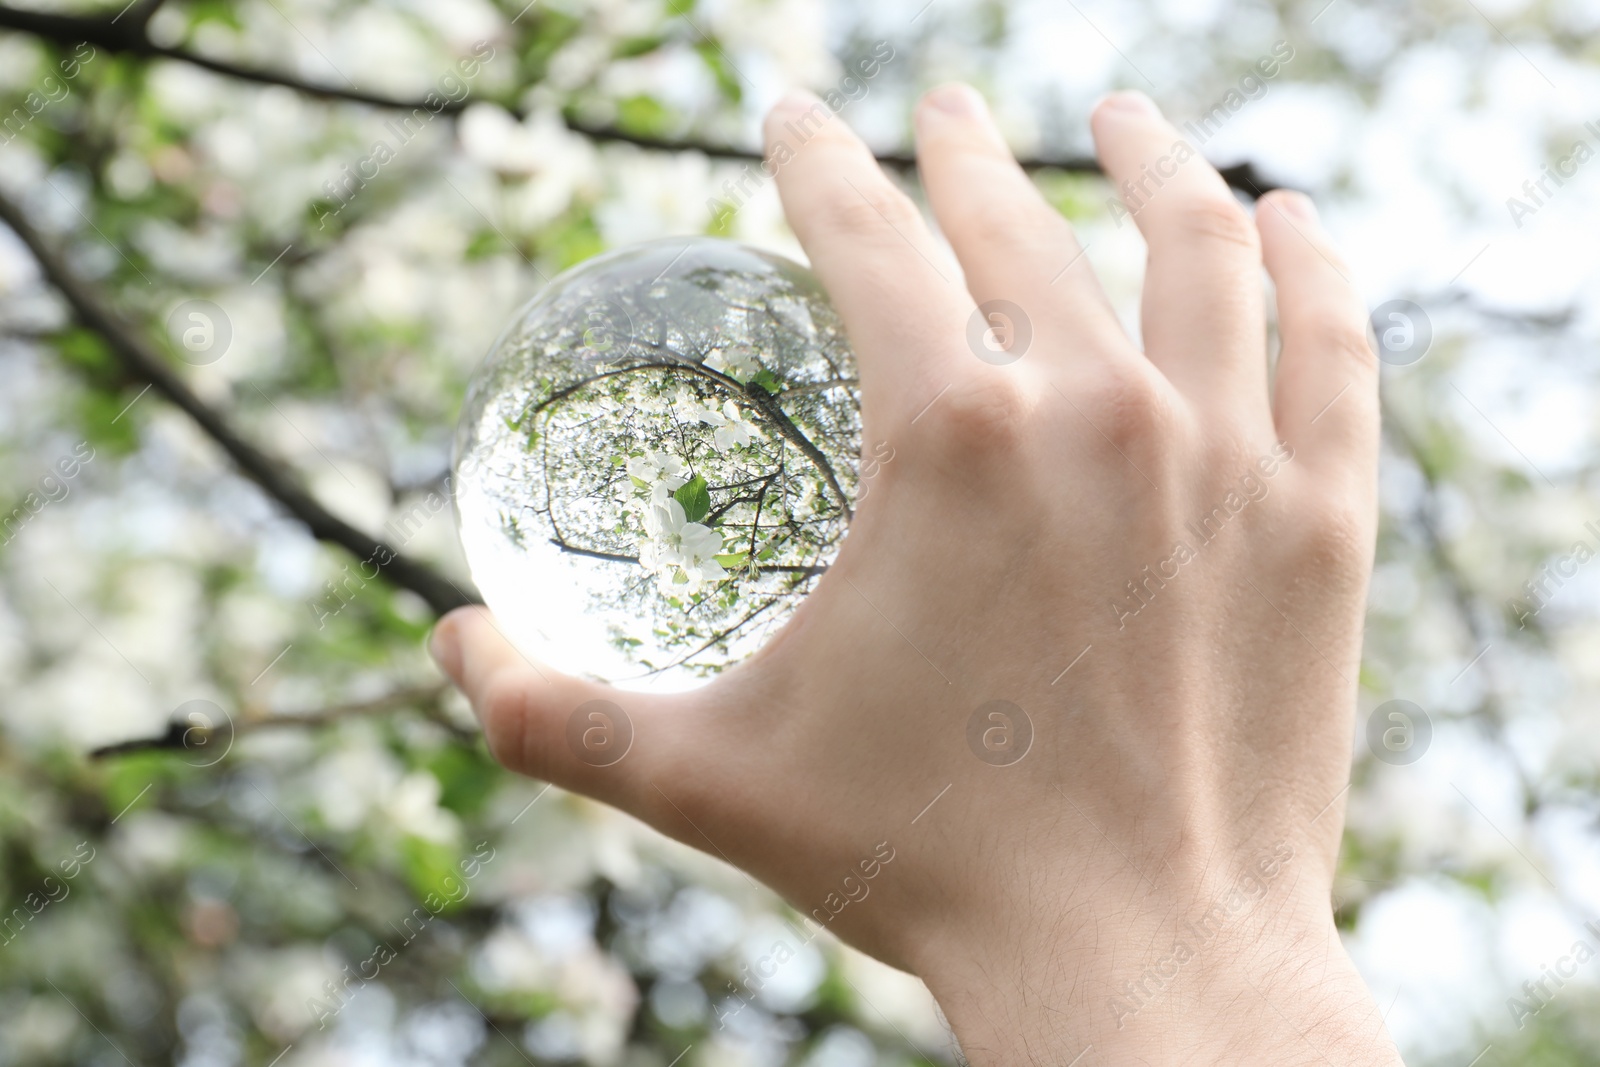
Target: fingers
(1202, 293)
(1012, 245)
(580, 735)
(1326, 405)
(899, 297)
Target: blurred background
(254, 250)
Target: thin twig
(181, 735)
(804, 570)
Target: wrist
(1248, 971)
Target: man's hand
(1066, 728)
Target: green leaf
(85, 350)
(466, 779)
(573, 238)
(549, 31)
(721, 224)
(643, 115)
(1074, 195)
(732, 560)
(695, 499)
(629, 47)
(727, 78)
(484, 244)
(768, 381)
(99, 414)
(214, 11)
(430, 868)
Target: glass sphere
(658, 459)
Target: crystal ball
(658, 459)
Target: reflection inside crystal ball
(657, 460)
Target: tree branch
(126, 36)
(186, 736)
(764, 406)
(618, 557)
(1241, 176)
(142, 362)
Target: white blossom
(682, 554)
(736, 361)
(658, 467)
(731, 429)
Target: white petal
(701, 540)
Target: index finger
(901, 299)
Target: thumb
(581, 735)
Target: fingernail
(1297, 205)
(1131, 102)
(958, 99)
(444, 645)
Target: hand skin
(1112, 888)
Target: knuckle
(1014, 214)
(1216, 217)
(1130, 409)
(1345, 342)
(503, 711)
(984, 416)
(874, 207)
(1333, 541)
